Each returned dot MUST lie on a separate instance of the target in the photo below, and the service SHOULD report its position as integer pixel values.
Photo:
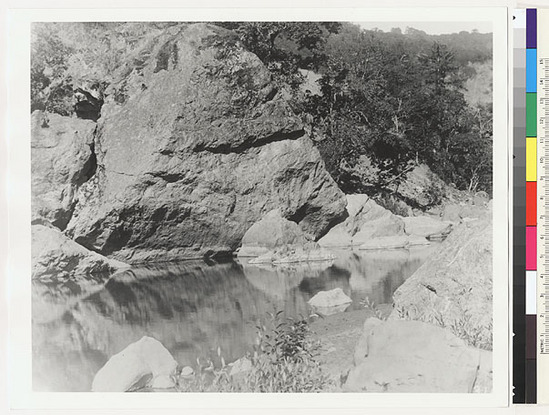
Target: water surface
(193, 308)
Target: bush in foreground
(283, 360)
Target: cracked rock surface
(453, 288)
(62, 160)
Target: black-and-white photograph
(262, 206)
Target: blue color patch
(531, 70)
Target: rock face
(271, 232)
(366, 220)
(421, 187)
(459, 212)
(198, 153)
(425, 226)
(453, 287)
(57, 258)
(133, 365)
(62, 159)
(411, 356)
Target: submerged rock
(330, 302)
(388, 242)
(453, 287)
(62, 160)
(198, 153)
(411, 356)
(57, 258)
(144, 359)
(292, 254)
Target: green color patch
(531, 114)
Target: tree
(383, 107)
(284, 47)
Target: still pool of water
(193, 308)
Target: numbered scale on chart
(543, 195)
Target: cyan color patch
(531, 70)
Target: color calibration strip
(531, 203)
(519, 205)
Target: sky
(433, 28)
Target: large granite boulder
(196, 155)
(56, 258)
(453, 288)
(62, 159)
(143, 363)
(412, 356)
(366, 220)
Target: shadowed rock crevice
(251, 143)
(63, 159)
(87, 107)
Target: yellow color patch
(531, 159)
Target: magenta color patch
(531, 248)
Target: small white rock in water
(330, 302)
(146, 357)
(187, 371)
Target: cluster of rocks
(438, 337)
(370, 226)
(278, 241)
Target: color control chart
(531, 207)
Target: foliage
(283, 360)
(49, 59)
(66, 56)
(371, 306)
(284, 47)
(379, 99)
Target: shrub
(283, 360)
